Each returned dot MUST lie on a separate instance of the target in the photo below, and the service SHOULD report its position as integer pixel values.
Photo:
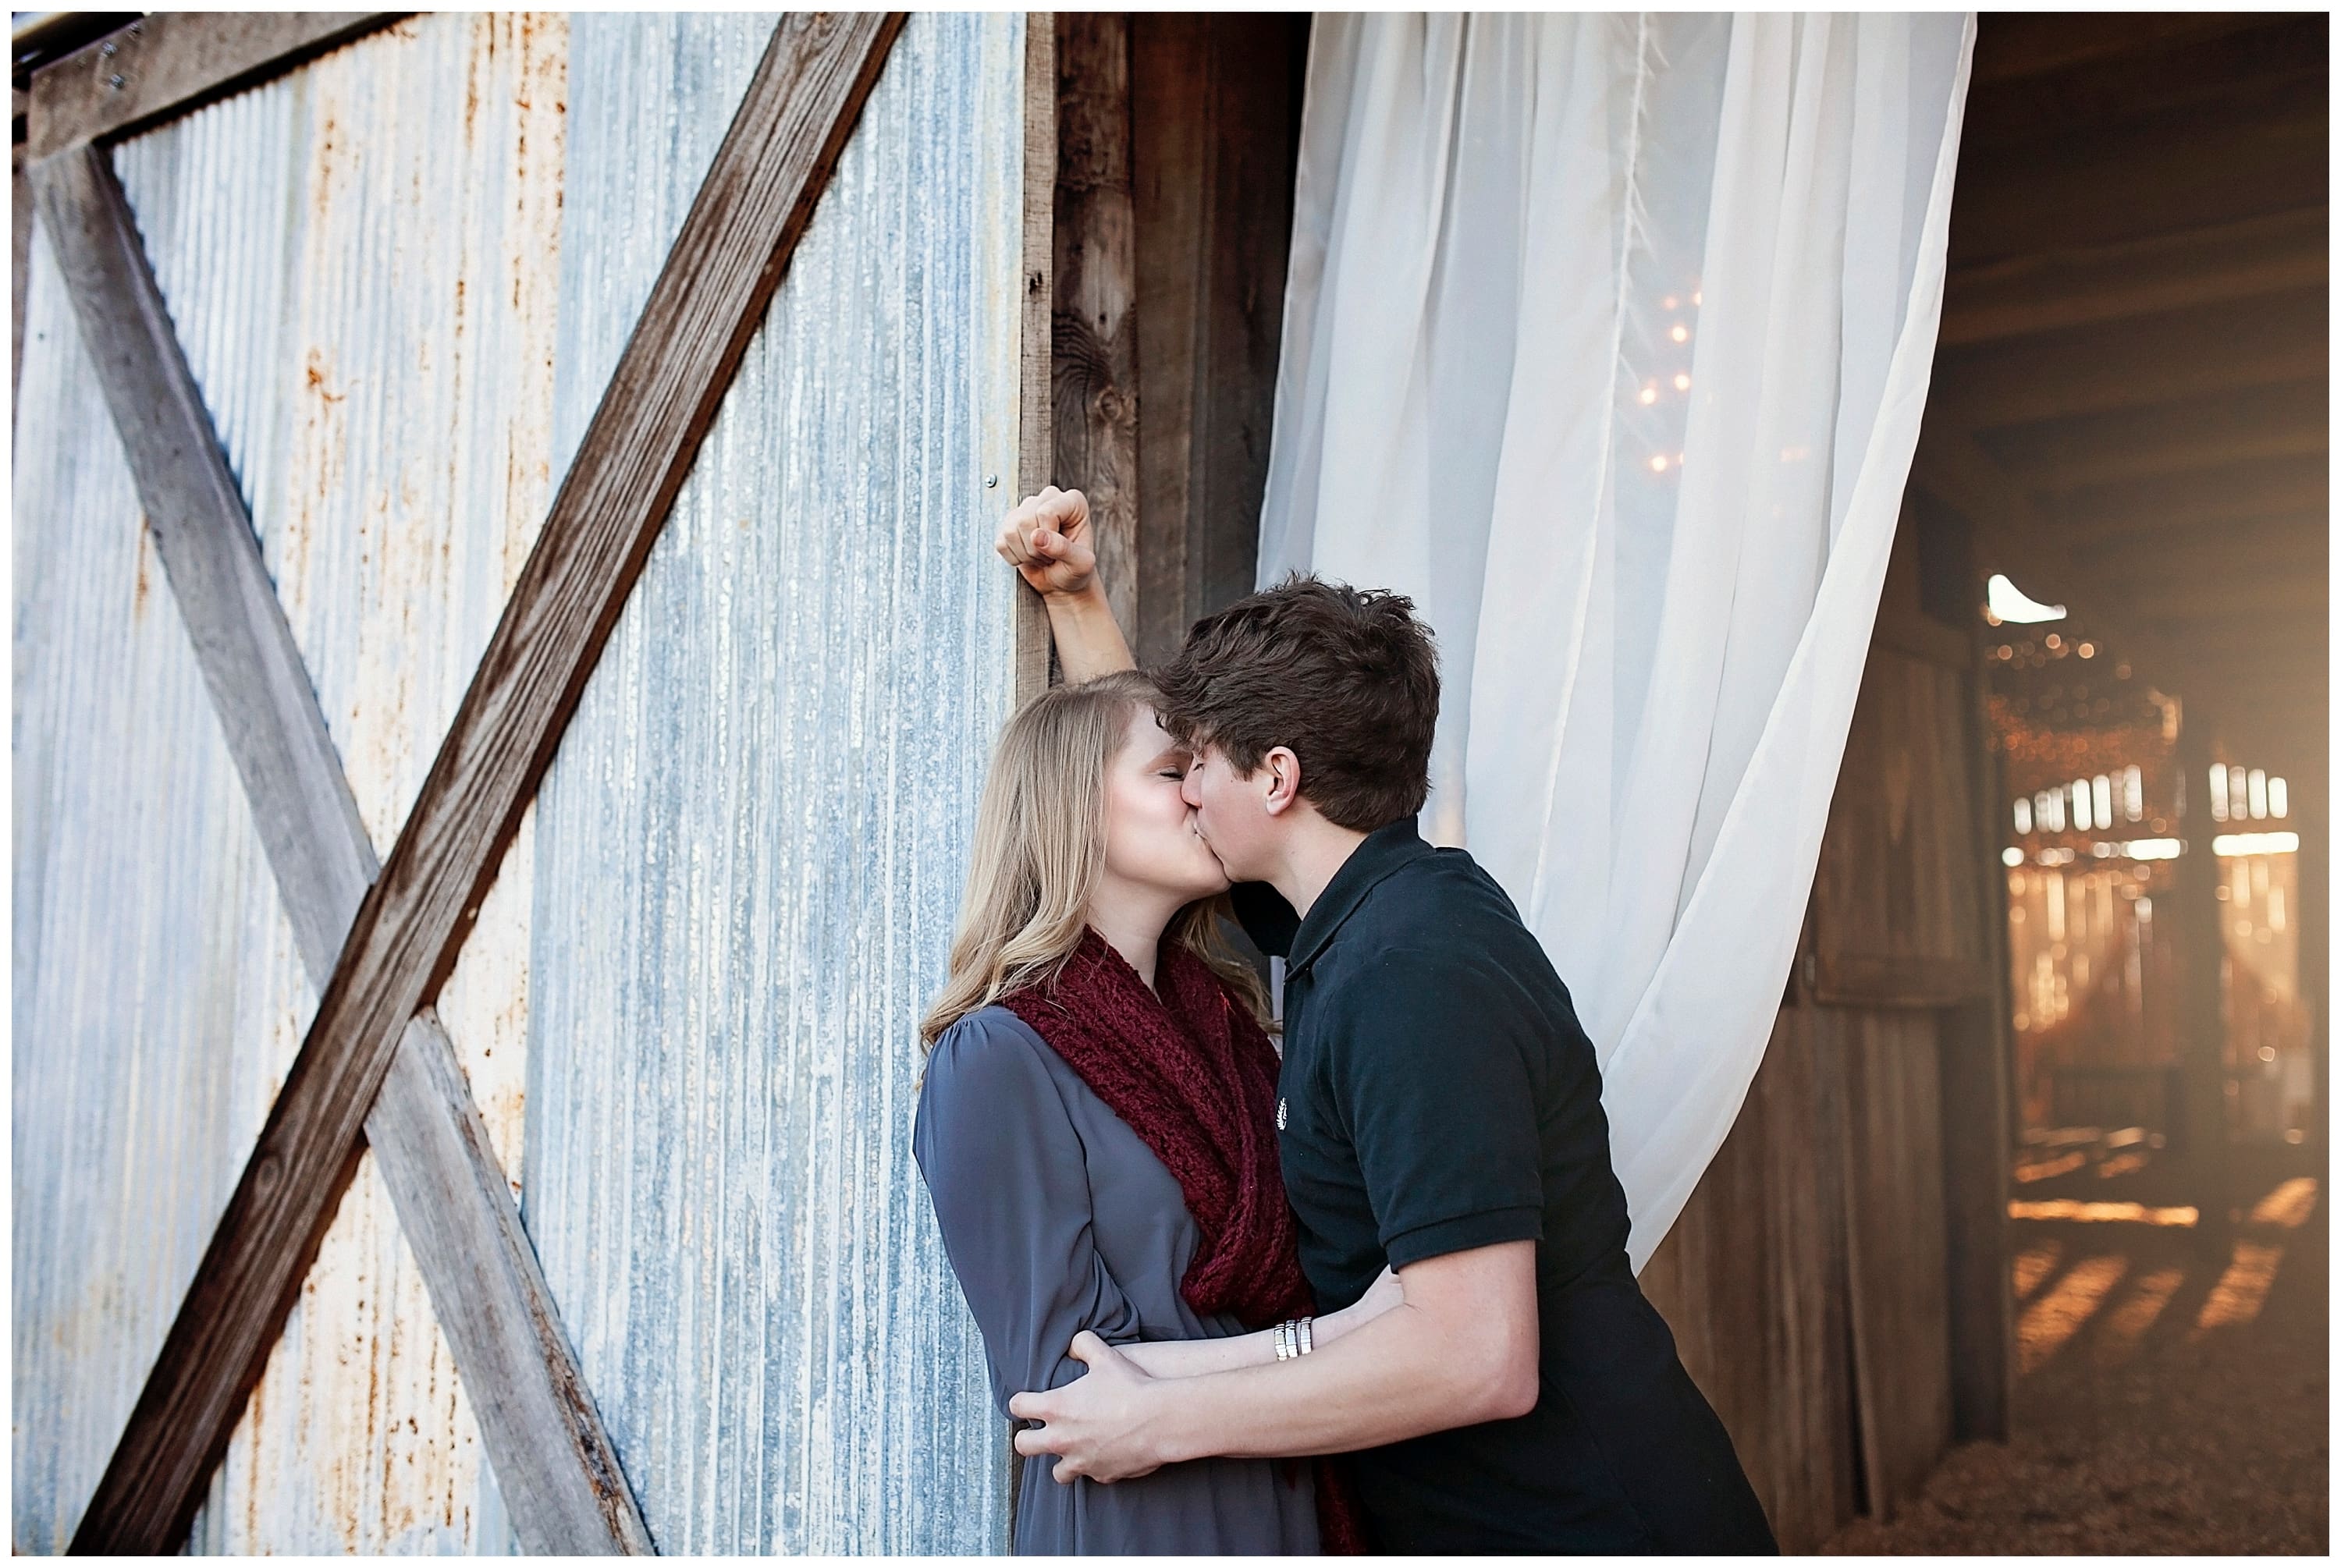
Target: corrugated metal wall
(751, 845)
(752, 840)
(361, 260)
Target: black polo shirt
(1436, 1094)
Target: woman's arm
(1010, 1182)
(1047, 539)
(1195, 1358)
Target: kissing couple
(1369, 1292)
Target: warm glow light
(1649, 396)
(1694, 296)
(2279, 797)
(1682, 382)
(2023, 817)
(1681, 334)
(2068, 1208)
(2255, 792)
(2255, 844)
(2086, 650)
(2011, 604)
(2218, 793)
(2237, 1297)
(2043, 1169)
(1667, 303)
(2101, 800)
(2011, 856)
(2059, 1315)
(2289, 1205)
(2149, 849)
(2033, 1264)
(1658, 465)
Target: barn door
(1900, 971)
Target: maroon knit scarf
(1193, 1074)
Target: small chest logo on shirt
(1280, 1113)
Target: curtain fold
(1606, 338)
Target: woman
(1097, 1123)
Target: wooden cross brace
(376, 1066)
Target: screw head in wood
(114, 82)
(992, 481)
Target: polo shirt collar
(1382, 852)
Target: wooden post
(1094, 332)
(2201, 944)
(1036, 445)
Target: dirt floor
(2172, 1391)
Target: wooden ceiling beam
(2153, 76)
(2289, 545)
(2175, 504)
(2150, 360)
(2252, 601)
(2289, 419)
(2188, 171)
(2010, 46)
(2068, 287)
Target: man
(1440, 1113)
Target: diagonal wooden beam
(554, 1463)
(708, 303)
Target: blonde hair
(1039, 849)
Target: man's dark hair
(1345, 677)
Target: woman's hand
(1095, 1424)
(1047, 539)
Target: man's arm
(1195, 1358)
(1047, 539)
(1460, 1349)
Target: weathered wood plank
(554, 1463)
(259, 686)
(1751, 1279)
(1036, 440)
(1895, 1246)
(557, 1470)
(169, 62)
(709, 301)
(1093, 333)
(1214, 107)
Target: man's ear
(1283, 770)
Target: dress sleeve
(1433, 1077)
(1010, 1182)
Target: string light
(1681, 334)
(1658, 464)
(1650, 395)
(1682, 382)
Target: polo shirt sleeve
(1429, 1068)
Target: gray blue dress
(1058, 1218)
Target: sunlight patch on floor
(2033, 1264)
(2237, 1297)
(2059, 1314)
(2125, 1326)
(2289, 1205)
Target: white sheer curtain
(1606, 338)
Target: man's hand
(1094, 1424)
(1047, 539)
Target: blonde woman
(1097, 1125)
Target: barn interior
(2047, 1091)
